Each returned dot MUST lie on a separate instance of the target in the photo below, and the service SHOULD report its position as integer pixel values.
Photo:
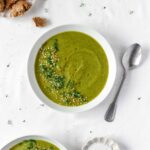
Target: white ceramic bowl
(111, 61)
(102, 142)
(34, 137)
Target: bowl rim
(101, 140)
(111, 63)
(35, 137)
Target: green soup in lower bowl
(34, 145)
(71, 68)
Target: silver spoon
(130, 60)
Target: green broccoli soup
(34, 145)
(71, 68)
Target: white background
(121, 28)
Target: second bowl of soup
(34, 142)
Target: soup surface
(34, 145)
(71, 68)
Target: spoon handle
(111, 112)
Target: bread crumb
(19, 8)
(9, 3)
(40, 22)
(2, 5)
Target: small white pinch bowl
(104, 143)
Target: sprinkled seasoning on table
(46, 10)
(104, 7)
(90, 14)
(6, 96)
(8, 65)
(24, 121)
(9, 122)
(20, 109)
(82, 4)
(42, 105)
(131, 12)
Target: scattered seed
(6, 95)
(131, 12)
(8, 65)
(20, 109)
(104, 7)
(139, 98)
(90, 14)
(46, 10)
(24, 121)
(9, 122)
(82, 4)
(42, 105)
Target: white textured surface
(132, 125)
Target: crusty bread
(9, 3)
(39, 22)
(2, 5)
(19, 8)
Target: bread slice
(2, 5)
(39, 22)
(9, 3)
(19, 8)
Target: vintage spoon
(130, 60)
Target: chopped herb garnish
(76, 94)
(70, 84)
(58, 81)
(84, 99)
(55, 45)
(64, 94)
(66, 101)
(48, 72)
(31, 144)
(43, 68)
(51, 147)
(49, 60)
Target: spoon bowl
(132, 57)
